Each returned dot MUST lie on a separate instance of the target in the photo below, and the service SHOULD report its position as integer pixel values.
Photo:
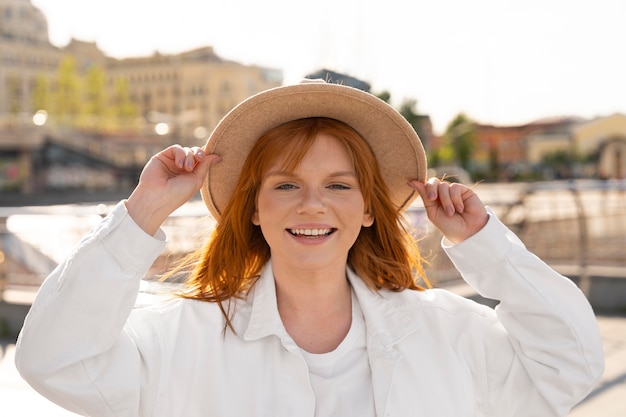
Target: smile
(310, 233)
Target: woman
(304, 301)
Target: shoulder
(419, 305)
(159, 308)
(437, 303)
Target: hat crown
(393, 140)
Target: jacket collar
(257, 316)
(385, 318)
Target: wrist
(146, 212)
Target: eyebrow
(282, 173)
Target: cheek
(265, 210)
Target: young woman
(306, 299)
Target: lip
(311, 234)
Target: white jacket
(91, 347)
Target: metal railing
(573, 226)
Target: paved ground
(609, 398)
(17, 399)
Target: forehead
(323, 149)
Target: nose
(312, 201)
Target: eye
(339, 187)
(285, 187)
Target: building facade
(597, 147)
(189, 92)
(177, 98)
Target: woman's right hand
(168, 181)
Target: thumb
(201, 169)
(420, 187)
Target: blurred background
(526, 101)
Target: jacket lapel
(386, 326)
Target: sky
(499, 62)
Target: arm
(73, 331)
(546, 353)
(72, 348)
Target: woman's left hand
(453, 208)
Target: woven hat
(393, 140)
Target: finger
(201, 154)
(198, 153)
(178, 155)
(420, 187)
(456, 196)
(432, 188)
(202, 167)
(445, 199)
(190, 160)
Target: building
(339, 78)
(177, 98)
(598, 145)
(190, 91)
(508, 146)
(604, 141)
(420, 122)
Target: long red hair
(384, 255)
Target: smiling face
(311, 216)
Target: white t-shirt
(341, 379)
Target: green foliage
(67, 100)
(85, 100)
(460, 135)
(41, 94)
(95, 98)
(494, 166)
(5, 328)
(384, 96)
(408, 109)
(559, 164)
(125, 110)
(13, 93)
(459, 141)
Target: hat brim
(393, 140)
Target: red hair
(384, 255)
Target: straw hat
(396, 145)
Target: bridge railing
(576, 227)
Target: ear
(368, 219)
(255, 218)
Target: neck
(310, 288)
(315, 307)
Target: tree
(384, 96)
(558, 164)
(41, 94)
(494, 165)
(68, 90)
(14, 93)
(95, 98)
(125, 110)
(460, 135)
(420, 122)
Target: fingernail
(431, 195)
(450, 210)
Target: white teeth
(310, 232)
